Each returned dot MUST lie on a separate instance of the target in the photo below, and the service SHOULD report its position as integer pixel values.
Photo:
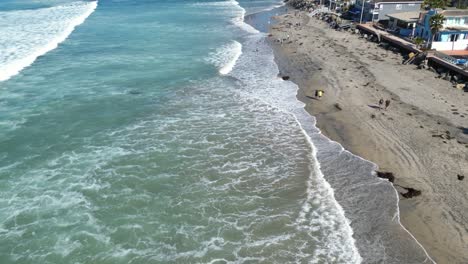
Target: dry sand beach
(422, 138)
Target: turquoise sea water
(158, 132)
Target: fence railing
(461, 62)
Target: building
(453, 35)
(377, 10)
(404, 23)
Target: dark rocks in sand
(386, 175)
(444, 136)
(338, 106)
(372, 116)
(460, 177)
(411, 192)
(285, 78)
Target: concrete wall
(457, 45)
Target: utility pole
(362, 11)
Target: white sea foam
(239, 20)
(28, 34)
(226, 56)
(328, 217)
(232, 9)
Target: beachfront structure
(377, 10)
(454, 33)
(404, 23)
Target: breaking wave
(28, 34)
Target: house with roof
(454, 33)
(377, 10)
(404, 23)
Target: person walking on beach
(387, 103)
(380, 103)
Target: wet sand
(422, 137)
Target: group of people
(319, 94)
(381, 102)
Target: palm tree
(436, 23)
(431, 4)
(418, 41)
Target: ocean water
(157, 131)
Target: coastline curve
(367, 178)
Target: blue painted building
(453, 35)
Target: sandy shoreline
(409, 139)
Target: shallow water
(156, 132)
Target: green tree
(431, 4)
(418, 41)
(436, 23)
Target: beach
(421, 138)
(169, 132)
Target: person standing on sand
(387, 103)
(380, 103)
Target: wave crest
(226, 56)
(28, 34)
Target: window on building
(453, 37)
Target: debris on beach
(410, 192)
(386, 175)
(460, 177)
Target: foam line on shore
(240, 21)
(356, 257)
(339, 241)
(21, 49)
